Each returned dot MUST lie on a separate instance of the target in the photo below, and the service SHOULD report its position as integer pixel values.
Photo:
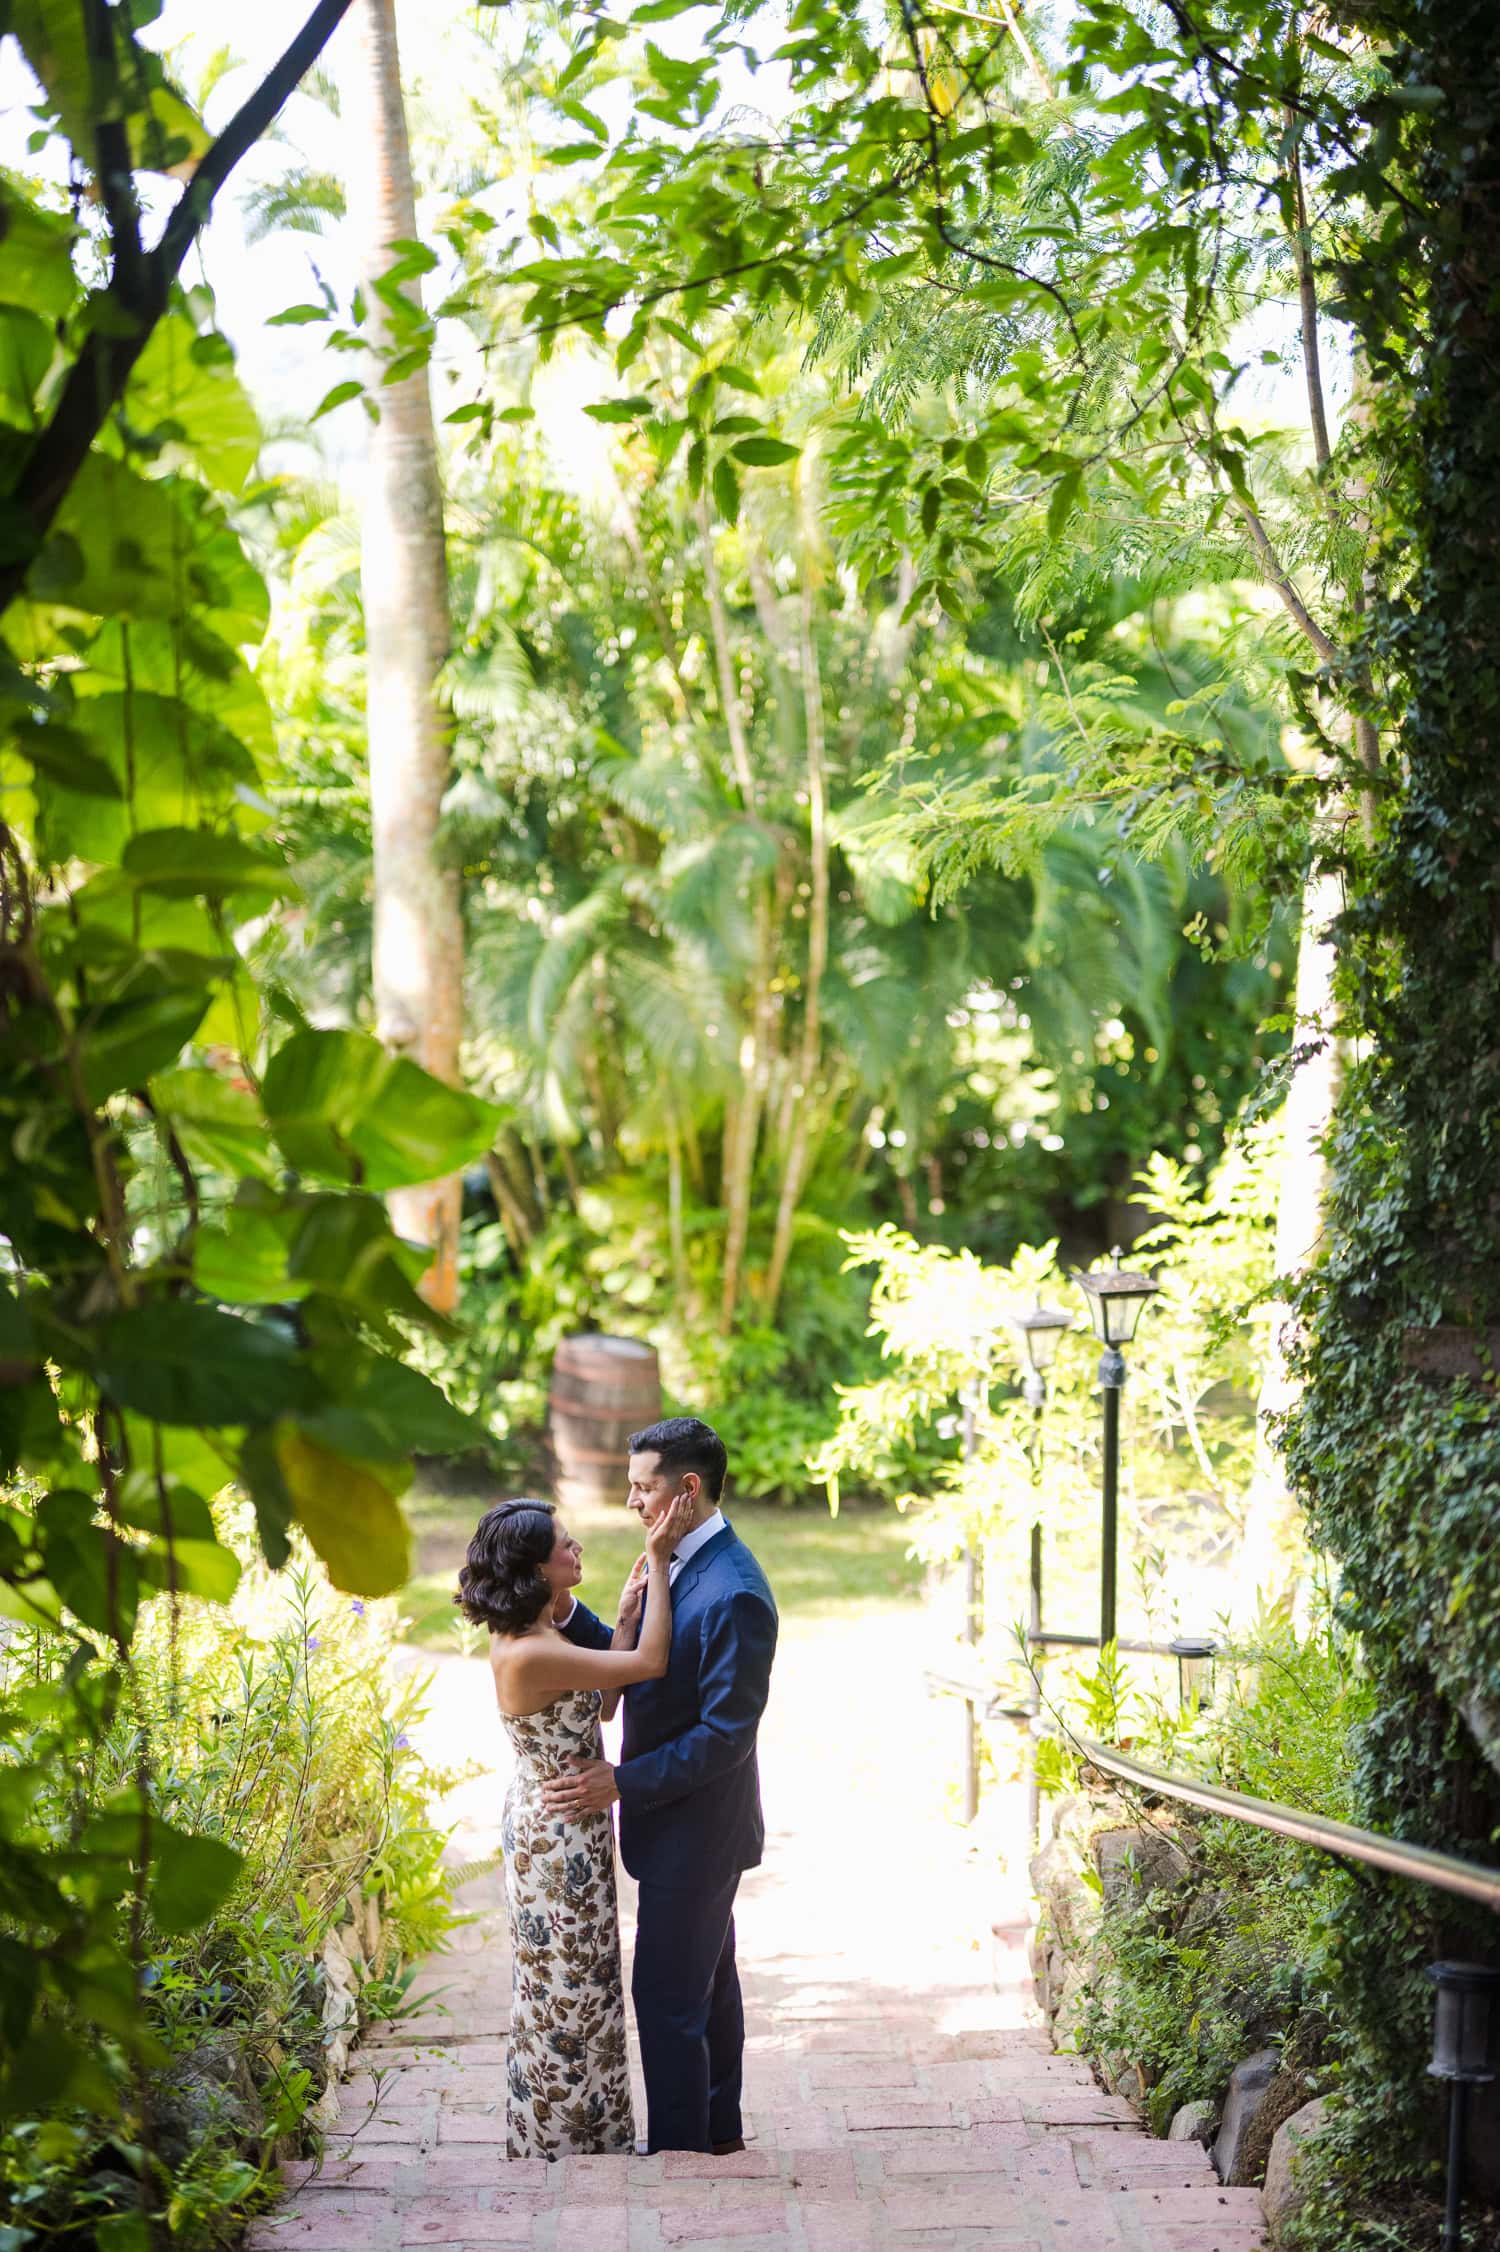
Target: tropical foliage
(953, 526)
(200, 1284)
(945, 1320)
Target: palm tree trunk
(681, 1278)
(418, 939)
(755, 1079)
(511, 1217)
(810, 1049)
(743, 1111)
(729, 695)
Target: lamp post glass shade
(1041, 1331)
(1116, 1299)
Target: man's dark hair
(684, 1442)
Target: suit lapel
(693, 1571)
(687, 1578)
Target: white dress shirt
(690, 1543)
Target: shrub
(274, 1728)
(770, 1391)
(1253, 1952)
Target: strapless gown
(568, 2080)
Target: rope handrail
(1445, 1871)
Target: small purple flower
(357, 1607)
(403, 1742)
(313, 1643)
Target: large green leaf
(382, 1410)
(351, 1517)
(31, 1602)
(202, 864)
(95, 1574)
(118, 544)
(243, 1259)
(185, 394)
(218, 1122)
(202, 1460)
(190, 1878)
(173, 767)
(317, 1088)
(27, 350)
(54, 2070)
(260, 1475)
(177, 1361)
(127, 546)
(165, 135)
(341, 1108)
(17, 1357)
(204, 1568)
(152, 1504)
(421, 1129)
(183, 658)
(123, 1043)
(36, 254)
(112, 920)
(60, 755)
(344, 1246)
(32, 1436)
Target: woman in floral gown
(569, 2082)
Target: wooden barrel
(603, 1388)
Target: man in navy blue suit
(688, 1788)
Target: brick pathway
(898, 2091)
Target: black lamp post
(1116, 1299)
(1465, 2052)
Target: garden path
(899, 2092)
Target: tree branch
(112, 160)
(1307, 294)
(1292, 602)
(142, 288)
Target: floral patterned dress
(569, 2082)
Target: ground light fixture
(1116, 1297)
(1465, 2053)
(1195, 1654)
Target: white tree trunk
(418, 965)
(1274, 1552)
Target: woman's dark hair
(501, 1583)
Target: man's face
(651, 1488)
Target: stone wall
(1103, 1853)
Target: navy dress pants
(689, 2015)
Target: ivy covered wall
(1396, 1447)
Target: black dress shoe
(727, 2150)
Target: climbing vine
(1396, 1445)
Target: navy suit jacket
(688, 1778)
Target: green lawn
(817, 1564)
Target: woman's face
(564, 1567)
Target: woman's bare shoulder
(507, 1657)
(519, 1657)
